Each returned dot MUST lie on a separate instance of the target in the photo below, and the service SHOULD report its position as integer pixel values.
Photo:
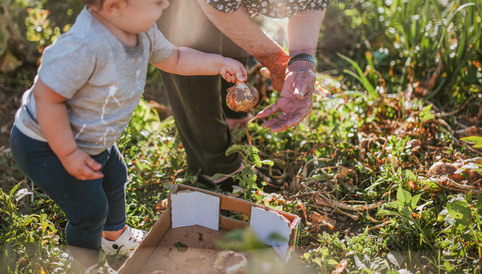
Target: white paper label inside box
(197, 208)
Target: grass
(358, 169)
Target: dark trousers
(89, 206)
(198, 102)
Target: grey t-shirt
(101, 78)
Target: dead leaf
(340, 267)
(467, 172)
(319, 219)
(441, 168)
(161, 206)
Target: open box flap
(195, 208)
(273, 229)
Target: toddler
(87, 87)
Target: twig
(175, 174)
(453, 185)
(379, 226)
(248, 136)
(445, 114)
(354, 217)
(313, 160)
(304, 194)
(336, 204)
(337, 210)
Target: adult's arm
(296, 82)
(243, 31)
(296, 96)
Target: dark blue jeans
(89, 206)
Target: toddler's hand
(233, 71)
(80, 165)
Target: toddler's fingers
(92, 164)
(93, 168)
(242, 74)
(229, 77)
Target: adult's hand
(275, 70)
(296, 98)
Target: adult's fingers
(268, 111)
(265, 73)
(280, 124)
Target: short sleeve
(67, 65)
(269, 8)
(160, 47)
(225, 5)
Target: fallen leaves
(461, 176)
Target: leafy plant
(405, 206)
(28, 240)
(247, 177)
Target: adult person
(226, 27)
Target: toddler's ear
(114, 7)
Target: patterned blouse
(270, 8)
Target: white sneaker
(127, 241)
(100, 269)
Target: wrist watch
(303, 56)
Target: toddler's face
(142, 14)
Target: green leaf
(409, 175)
(470, 76)
(406, 212)
(317, 261)
(479, 202)
(387, 213)
(233, 149)
(413, 203)
(460, 211)
(403, 196)
(249, 176)
(477, 140)
(360, 77)
(393, 204)
(425, 114)
(180, 247)
(267, 162)
(216, 176)
(256, 160)
(332, 262)
(12, 191)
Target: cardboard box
(193, 220)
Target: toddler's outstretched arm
(187, 61)
(54, 122)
